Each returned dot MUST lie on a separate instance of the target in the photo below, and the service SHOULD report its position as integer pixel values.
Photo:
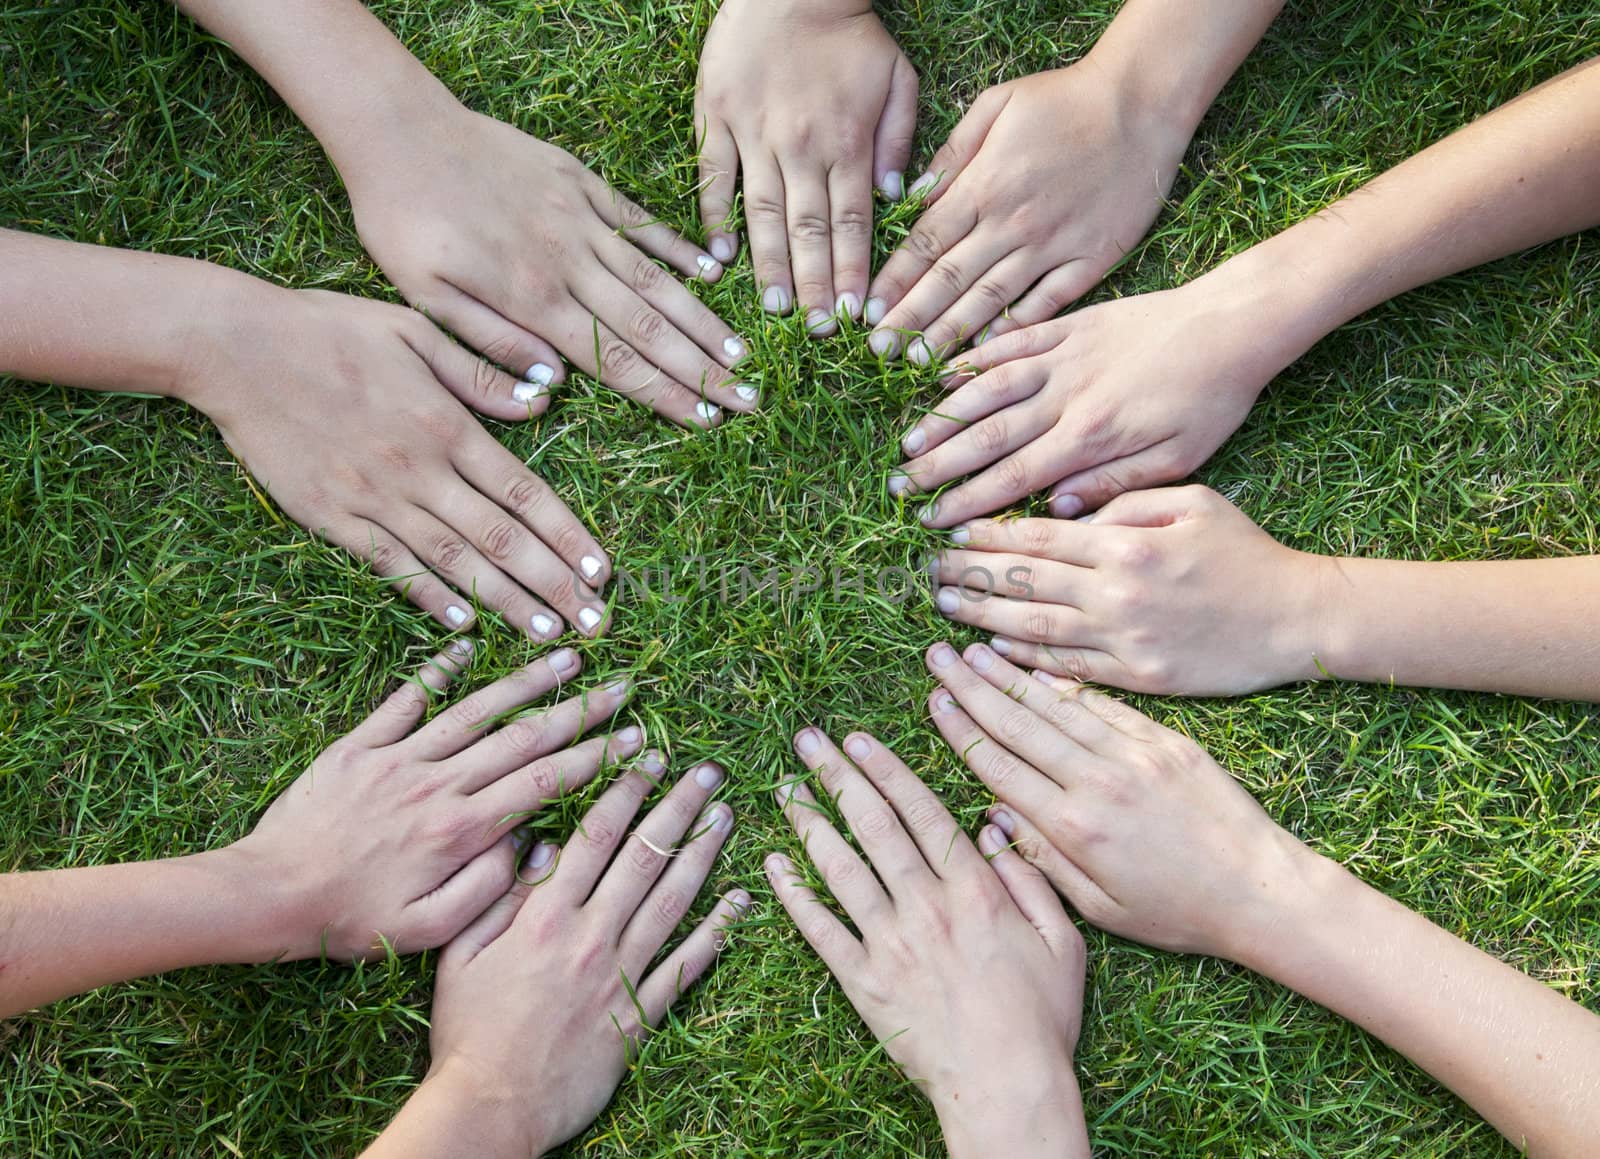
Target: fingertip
(776, 300)
(723, 248)
(545, 626)
(708, 267)
(941, 703)
(892, 185)
(992, 842)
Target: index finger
(943, 843)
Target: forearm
(63, 932)
(111, 319)
(1524, 174)
(1174, 56)
(1524, 627)
(1038, 1114)
(1524, 1057)
(452, 1113)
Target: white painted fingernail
(456, 615)
(922, 184)
(894, 185)
(775, 300)
(1001, 645)
(882, 343)
(918, 352)
(706, 411)
(723, 249)
(541, 373)
(874, 311)
(543, 624)
(847, 305)
(898, 482)
(588, 618)
(914, 441)
(564, 662)
(821, 324)
(526, 391)
(708, 776)
(590, 566)
(541, 857)
(949, 601)
(707, 264)
(733, 348)
(630, 735)
(747, 392)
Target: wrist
(477, 1112)
(1300, 890)
(282, 926)
(229, 309)
(1025, 1111)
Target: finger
(1156, 507)
(767, 220)
(588, 851)
(1031, 468)
(651, 845)
(719, 182)
(528, 738)
(1084, 491)
(846, 875)
(395, 564)
(443, 913)
(508, 802)
(974, 399)
(511, 548)
(871, 819)
(1028, 342)
(891, 142)
(824, 933)
(1054, 292)
(940, 840)
(962, 147)
(533, 363)
(1119, 715)
(644, 230)
(1016, 577)
(1065, 541)
(1058, 868)
(1032, 893)
(1012, 780)
(405, 706)
(597, 350)
(808, 218)
(666, 324)
(985, 298)
(948, 279)
(1078, 664)
(936, 233)
(850, 209)
(666, 904)
(1036, 621)
(688, 963)
(470, 720)
(981, 444)
(1064, 711)
(506, 480)
(501, 914)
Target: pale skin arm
(1152, 840)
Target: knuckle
(500, 349)
(874, 823)
(502, 539)
(641, 860)
(991, 435)
(568, 539)
(647, 276)
(599, 832)
(991, 295)
(669, 906)
(808, 227)
(1002, 771)
(1040, 623)
(448, 552)
(1137, 553)
(647, 326)
(949, 275)
(1017, 724)
(763, 209)
(617, 358)
(385, 556)
(851, 222)
(1038, 537)
(1014, 476)
(527, 737)
(485, 379)
(924, 815)
(841, 872)
(524, 495)
(924, 245)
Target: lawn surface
(174, 653)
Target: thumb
(891, 144)
(1158, 507)
(963, 145)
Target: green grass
(172, 653)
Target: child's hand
(1169, 591)
(511, 244)
(343, 410)
(967, 970)
(1123, 395)
(539, 1003)
(816, 102)
(1145, 834)
(1046, 183)
(399, 836)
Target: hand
(1136, 825)
(967, 970)
(342, 409)
(399, 836)
(1172, 591)
(502, 238)
(1046, 183)
(818, 103)
(1124, 395)
(540, 1002)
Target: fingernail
(922, 184)
(723, 249)
(775, 300)
(630, 735)
(918, 352)
(882, 343)
(461, 647)
(807, 743)
(914, 441)
(858, 747)
(707, 411)
(821, 324)
(949, 601)
(898, 482)
(456, 615)
(960, 534)
(776, 863)
(541, 857)
(740, 901)
(653, 764)
(590, 566)
(929, 513)
(1003, 820)
(991, 841)
(719, 817)
(746, 392)
(526, 391)
(944, 703)
(619, 686)
(874, 311)
(1051, 680)
(708, 264)
(733, 348)
(543, 625)
(564, 662)
(708, 776)
(943, 656)
(894, 185)
(1065, 506)
(542, 373)
(1001, 645)
(784, 792)
(848, 305)
(980, 657)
